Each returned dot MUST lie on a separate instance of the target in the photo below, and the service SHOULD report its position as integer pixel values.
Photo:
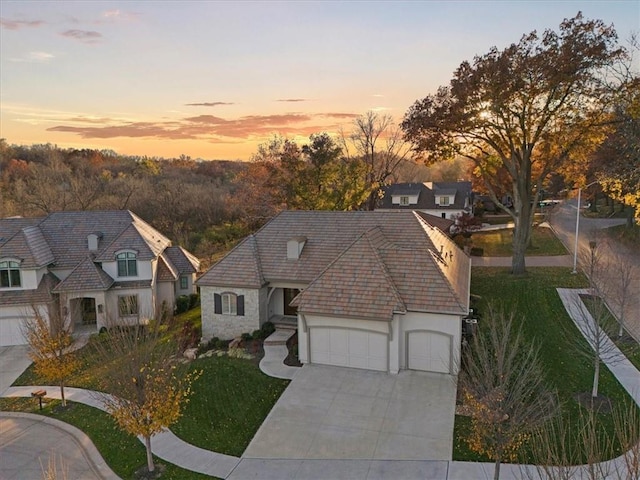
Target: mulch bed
(292, 358)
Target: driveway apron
(341, 413)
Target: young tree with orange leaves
(52, 346)
(147, 387)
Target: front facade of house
(441, 199)
(93, 268)
(375, 290)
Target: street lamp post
(575, 246)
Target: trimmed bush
(268, 328)
(182, 304)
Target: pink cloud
(208, 104)
(85, 36)
(18, 24)
(206, 127)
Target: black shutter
(217, 303)
(240, 305)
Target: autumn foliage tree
(523, 111)
(147, 387)
(51, 348)
(503, 389)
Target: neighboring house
(92, 267)
(442, 199)
(374, 290)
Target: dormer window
(10, 274)
(444, 201)
(127, 264)
(404, 200)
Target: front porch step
(280, 336)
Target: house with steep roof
(447, 200)
(92, 267)
(373, 290)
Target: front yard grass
(534, 298)
(231, 399)
(498, 243)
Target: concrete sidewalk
(530, 261)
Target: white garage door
(11, 332)
(429, 351)
(349, 348)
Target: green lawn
(610, 325)
(231, 399)
(498, 243)
(545, 321)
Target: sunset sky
(213, 79)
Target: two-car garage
(420, 349)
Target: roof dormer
(294, 247)
(92, 241)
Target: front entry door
(88, 311)
(289, 295)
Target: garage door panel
(429, 351)
(349, 348)
(11, 332)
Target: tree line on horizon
(557, 110)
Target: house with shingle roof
(374, 290)
(447, 200)
(92, 267)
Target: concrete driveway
(342, 413)
(13, 361)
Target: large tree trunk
(521, 239)
(147, 443)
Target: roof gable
(29, 246)
(357, 284)
(86, 276)
(182, 260)
(239, 268)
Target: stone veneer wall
(229, 326)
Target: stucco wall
(230, 326)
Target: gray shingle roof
(29, 246)
(184, 261)
(239, 268)
(405, 244)
(86, 276)
(166, 271)
(427, 195)
(31, 297)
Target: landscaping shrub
(258, 335)
(268, 328)
(182, 304)
(194, 300)
(246, 337)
